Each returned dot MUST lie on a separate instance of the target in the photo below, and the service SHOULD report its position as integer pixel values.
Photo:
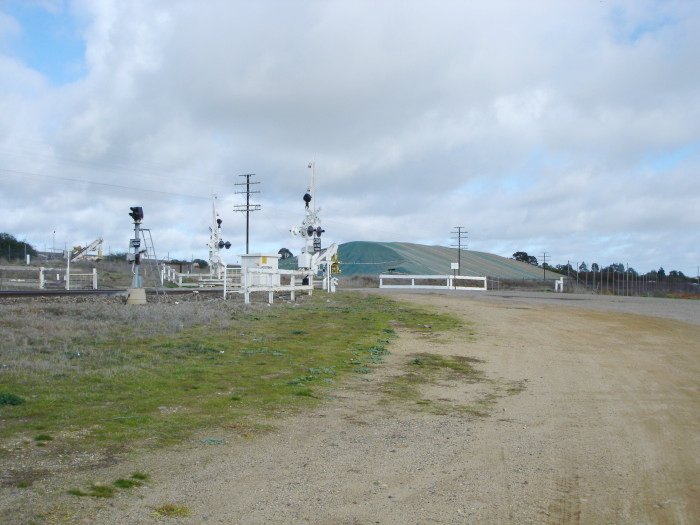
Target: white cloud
(529, 122)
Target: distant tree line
(11, 248)
(612, 269)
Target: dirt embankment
(572, 416)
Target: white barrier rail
(451, 282)
(252, 280)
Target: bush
(10, 399)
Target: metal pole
(247, 213)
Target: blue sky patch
(50, 41)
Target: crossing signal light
(136, 213)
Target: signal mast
(312, 257)
(217, 266)
(136, 294)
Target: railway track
(105, 291)
(57, 293)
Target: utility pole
(544, 266)
(247, 207)
(459, 234)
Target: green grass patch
(7, 398)
(124, 483)
(424, 369)
(171, 510)
(121, 377)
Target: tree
(566, 269)
(524, 257)
(284, 253)
(201, 263)
(595, 267)
(582, 267)
(661, 273)
(11, 248)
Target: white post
(94, 278)
(68, 274)
(246, 293)
(225, 280)
(292, 283)
(270, 293)
(42, 282)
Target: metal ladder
(152, 260)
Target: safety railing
(433, 282)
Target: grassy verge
(108, 376)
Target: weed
(96, 490)
(7, 398)
(141, 476)
(424, 369)
(122, 483)
(171, 510)
(43, 437)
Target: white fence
(433, 282)
(252, 280)
(30, 277)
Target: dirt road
(590, 417)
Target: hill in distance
(373, 258)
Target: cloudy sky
(571, 127)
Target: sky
(566, 127)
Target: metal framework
(313, 258)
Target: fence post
(270, 294)
(94, 278)
(42, 282)
(292, 283)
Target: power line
(459, 235)
(105, 184)
(247, 207)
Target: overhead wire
(106, 184)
